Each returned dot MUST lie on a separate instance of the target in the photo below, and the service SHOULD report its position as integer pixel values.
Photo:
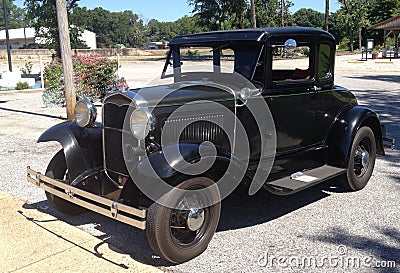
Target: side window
(324, 66)
(292, 66)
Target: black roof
(252, 34)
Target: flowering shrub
(92, 77)
(53, 84)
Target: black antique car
(256, 108)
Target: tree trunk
(283, 12)
(359, 38)
(351, 40)
(327, 13)
(253, 14)
(66, 53)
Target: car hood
(181, 93)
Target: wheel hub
(195, 219)
(365, 159)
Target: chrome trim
(74, 195)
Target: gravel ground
(323, 224)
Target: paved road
(323, 226)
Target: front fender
(189, 153)
(82, 146)
(155, 167)
(344, 130)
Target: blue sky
(170, 10)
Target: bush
(22, 85)
(92, 77)
(27, 69)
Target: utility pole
(253, 14)
(326, 26)
(7, 35)
(283, 12)
(66, 55)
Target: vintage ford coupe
(256, 108)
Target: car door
(299, 102)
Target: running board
(302, 180)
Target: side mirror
(290, 45)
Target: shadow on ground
(238, 211)
(381, 249)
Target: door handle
(314, 88)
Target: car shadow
(238, 211)
(383, 251)
(31, 113)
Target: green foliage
(355, 17)
(344, 44)
(22, 86)
(15, 15)
(53, 93)
(92, 77)
(43, 17)
(305, 51)
(308, 18)
(27, 69)
(220, 14)
(193, 54)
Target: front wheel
(57, 169)
(183, 232)
(362, 160)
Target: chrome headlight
(141, 123)
(85, 113)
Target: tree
(308, 18)
(211, 13)
(15, 15)
(267, 13)
(42, 14)
(253, 14)
(355, 17)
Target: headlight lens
(141, 123)
(85, 113)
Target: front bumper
(123, 213)
(387, 142)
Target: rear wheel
(362, 160)
(57, 169)
(181, 233)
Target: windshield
(224, 58)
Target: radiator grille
(113, 121)
(196, 129)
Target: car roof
(251, 34)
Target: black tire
(57, 169)
(168, 231)
(362, 160)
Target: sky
(171, 10)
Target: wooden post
(283, 12)
(253, 14)
(41, 71)
(326, 25)
(66, 55)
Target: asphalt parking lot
(326, 228)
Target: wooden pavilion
(390, 26)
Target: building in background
(25, 38)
